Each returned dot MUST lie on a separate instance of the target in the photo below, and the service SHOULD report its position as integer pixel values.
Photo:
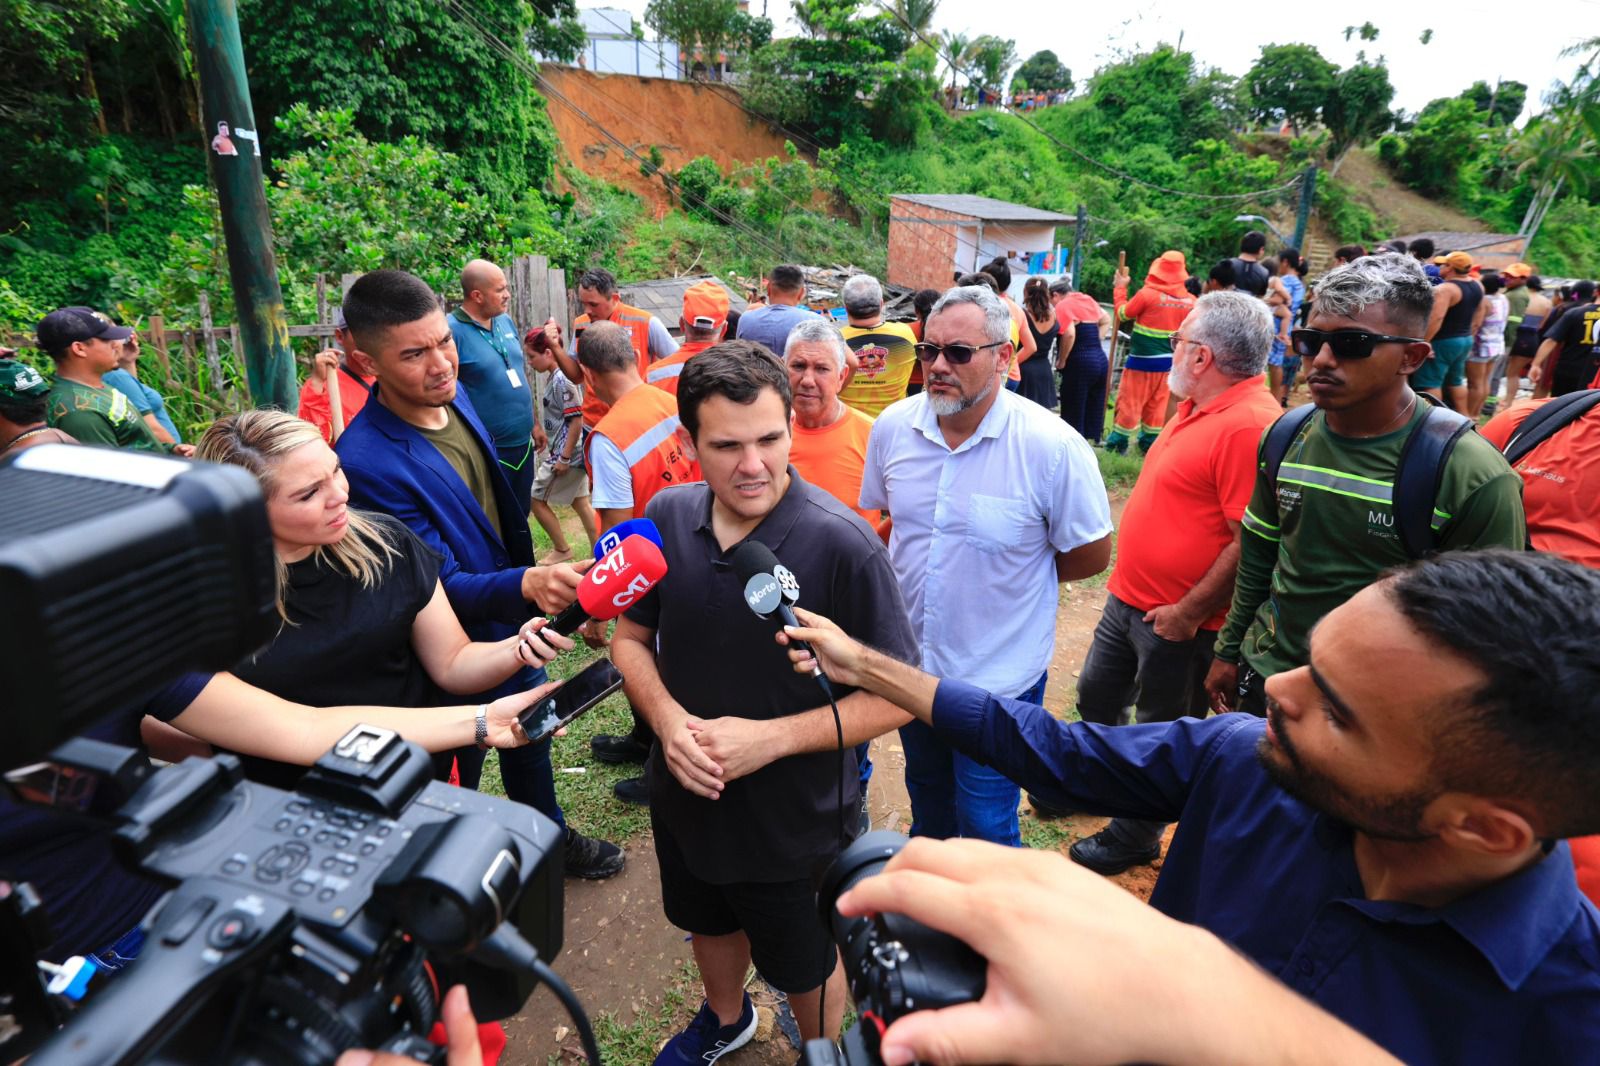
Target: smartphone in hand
(579, 693)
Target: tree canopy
(1045, 73)
(1290, 82)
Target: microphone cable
(508, 949)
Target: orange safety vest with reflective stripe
(664, 373)
(644, 427)
(637, 323)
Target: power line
(1070, 148)
(668, 180)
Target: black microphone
(769, 589)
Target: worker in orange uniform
(704, 322)
(1156, 311)
(602, 302)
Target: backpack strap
(1279, 436)
(1423, 458)
(1549, 420)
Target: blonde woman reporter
(365, 619)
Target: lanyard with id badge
(494, 342)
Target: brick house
(934, 235)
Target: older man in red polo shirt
(1177, 549)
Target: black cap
(67, 325)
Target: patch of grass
(638, 1040)
(1055, 835)
(1120, 471)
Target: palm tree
(917, 15)
(1557, 153)
(955, 50)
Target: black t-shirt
(1578, 333)
(718, 659)
(345, 644)
(1458, 319)
(91, 898)
(1249, 276)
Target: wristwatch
(480, 730)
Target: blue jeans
(953, 795)
(525, 772)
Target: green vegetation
(404, 133)
(1544, 178)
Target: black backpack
(1416, 484)
(1547, 421)
(1250, 276)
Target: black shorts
(788, 942)
(1525, 344)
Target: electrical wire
(737, 99)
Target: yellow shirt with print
(886, 359)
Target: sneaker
(632, 790)
(1044, 811)
(615, 749)
(705, 1040)
(590, 858)
(1105, 854)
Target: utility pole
(1077, 247)
(1302, 217)
(234, 151)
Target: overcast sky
(1472, 39)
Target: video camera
(894, 965)
(301, 923)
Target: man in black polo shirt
(745, 776)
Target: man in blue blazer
(418, 451)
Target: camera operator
(1080, 971)
(95, 904)
(1389, 841)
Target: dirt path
(1407, 211)
(629, 966)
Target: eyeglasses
(1346, 343)
(954, 354)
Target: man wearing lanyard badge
(490, 354)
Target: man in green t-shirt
(84, 346)
(1517, 293)
(1328, 529)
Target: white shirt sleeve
(610, 479)
(661, 342)
(874, 496)
(1079, 511)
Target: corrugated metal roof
(663, 297)
(982, 207)
(1460, 242)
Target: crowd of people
(1398, 776)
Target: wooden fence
(538, 292)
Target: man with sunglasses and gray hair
(1326, 525)
(995, 500)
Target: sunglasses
(954, 354)
(1346, 343)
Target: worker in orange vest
(632, 454)
(704, 322)
(602, 302)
